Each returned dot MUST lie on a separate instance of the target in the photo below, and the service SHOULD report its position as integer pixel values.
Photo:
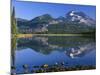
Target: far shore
(31, 35)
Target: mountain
(21, 20)
(73, 22)
(80, 17)
(61, 19)
(42, 19)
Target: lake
(39, 50)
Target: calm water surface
(39, 50)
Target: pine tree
(13, 22)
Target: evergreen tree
(13, 22)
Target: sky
(30, 10)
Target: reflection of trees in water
(13, 48)
(39, 44)
(46, 45)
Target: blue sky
(30, 10)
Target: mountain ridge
(73, 20)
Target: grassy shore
(31, 35)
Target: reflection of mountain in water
(81, 50)
(73, 46)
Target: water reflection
(81, 50)
(61, 50)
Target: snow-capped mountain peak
(72, 13)
(80, 17)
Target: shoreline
(56, 68)
(31, 35)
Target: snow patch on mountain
(80, 17)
